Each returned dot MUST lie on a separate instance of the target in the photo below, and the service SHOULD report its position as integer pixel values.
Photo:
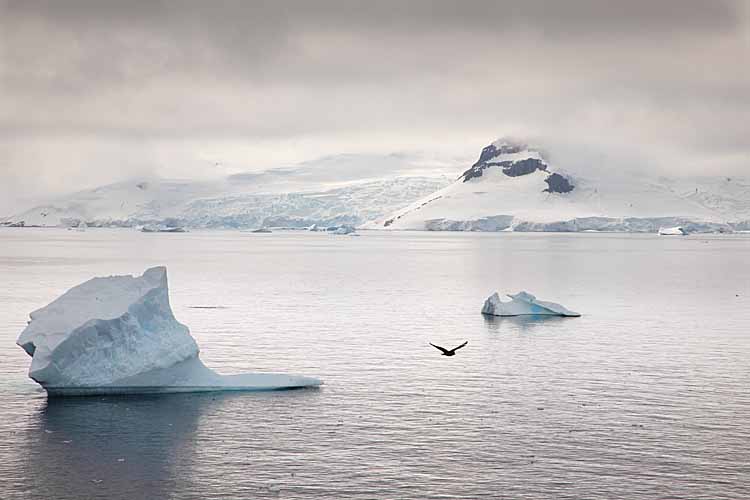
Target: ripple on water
(643, 397)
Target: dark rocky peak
(557, 183)
(488, 153)
(497, 155)
(521, 167)
(500, 147)
(492, 155)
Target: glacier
(272, 199)
(523, 303)
(118, 335)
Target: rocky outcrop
(522, 167)
(419, 207)
(558, 184)
(504, 155)
(494, 150)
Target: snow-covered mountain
(511, 187)
(272, 198)
(514, 187)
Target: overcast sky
(98, 91)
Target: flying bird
(449, 352)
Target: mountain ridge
(512, 186)
(515, 187)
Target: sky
(93, 91)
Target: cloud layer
(97, 91)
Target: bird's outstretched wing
(459, 347)
(438, 347)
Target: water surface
(645, 396)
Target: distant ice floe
(523, 303)
(343, 229)
(118, 335)
(672, 231)
(149, 228)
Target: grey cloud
(91, 44)
(165, 82)
(568, 17)
(346, 168)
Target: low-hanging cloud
(96, 91)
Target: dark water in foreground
(647, 396)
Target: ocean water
(646, 396)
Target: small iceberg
(672, 231)
(118, 335)
(163, 229)
(344, 229)
(523, 303)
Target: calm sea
(647, 396)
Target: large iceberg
(523, 303)
(119, 335)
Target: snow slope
(150, 200)
(352, 204)
(515, 187)
(239, 202)
(118, 335)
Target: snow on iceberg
(523, 303)
(119, 335)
